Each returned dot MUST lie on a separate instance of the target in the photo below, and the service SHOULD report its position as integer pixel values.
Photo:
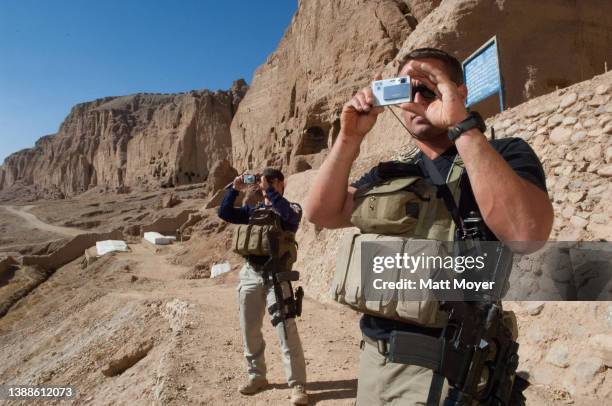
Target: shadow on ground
(326, 390)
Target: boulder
(220, 175)
(168, 200)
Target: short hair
(273, 173)
(456, 71)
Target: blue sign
(482, 74)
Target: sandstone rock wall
(133, 141)
(291, 113)
(329, 48)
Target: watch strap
(473, 120)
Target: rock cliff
(130, 141)
(290, 116)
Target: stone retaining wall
(70, 251)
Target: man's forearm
(282, 205)
(328, 192)
(513, 208)
(228, 212)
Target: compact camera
(250, 179)
(392, 91)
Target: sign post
(482, 74)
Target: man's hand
(448, 109)
(359, 115)
(263, 183)
(239, 184)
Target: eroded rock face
(331, 49)
(328, 51)
(130, 141)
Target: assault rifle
(481, 357)
(277, 270)
(476, 352)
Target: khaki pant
(382, 382)
(254, 299)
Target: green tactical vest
(407, 210)
(252, 239)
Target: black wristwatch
(474, 120)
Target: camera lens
(403, 80)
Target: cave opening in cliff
(313, 141)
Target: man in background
(256, 291)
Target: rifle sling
(447, 196)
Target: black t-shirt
(521, 158)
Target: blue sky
(54, 54)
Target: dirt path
(35, 222)
(73, 326)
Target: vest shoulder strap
(450, 197)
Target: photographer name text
(428, 284)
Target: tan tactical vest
(401, 209)
(252, 239)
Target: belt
(257, 261)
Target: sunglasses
(424, 91)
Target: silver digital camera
(250, 179)
(392, 91)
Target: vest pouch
(346, 284)
(343, 259)
(240, 241)
(256, 240)
(381, 302)
(391, 207)
(251, 239)
(287, 244)
(426, 311)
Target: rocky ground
(129, 329)
(148, 327)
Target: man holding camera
(260, 286)
(500, 181)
